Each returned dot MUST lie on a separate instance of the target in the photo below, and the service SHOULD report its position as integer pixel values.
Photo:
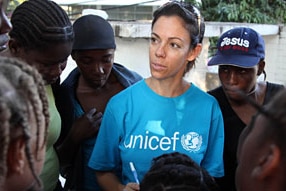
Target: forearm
(108, 181)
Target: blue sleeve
(213, 160)
(105, 155)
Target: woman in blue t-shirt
(163, 113)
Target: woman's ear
(73, 55)
(16, 157)
(14, 47)
(268, 163)
(194, 53)
(261, 66)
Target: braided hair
(38, 23)
(177, 172)
(22, 97)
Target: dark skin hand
(85, 127)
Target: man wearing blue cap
(240, 56)
(87, 89)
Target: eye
(84, 60)
(242, 71)
(224, 69)
(107, 60)
(153, 40)
(175, 45)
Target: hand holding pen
(132, 186)
(134, 172)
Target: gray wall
(132, 51)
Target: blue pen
(134, 172)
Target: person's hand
(131, 186)
(86, 126)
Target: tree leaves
(250, 11)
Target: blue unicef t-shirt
(139, 124)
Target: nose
(232, 78)
(160, 51)
(6, 26)
(58, 69)
(63, 66)
(98, 69)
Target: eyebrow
(170, 38)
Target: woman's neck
(168, 88)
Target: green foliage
(250, 11)
(12, 5)
(212, 48)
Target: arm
(109, 182)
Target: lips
(3, 41)
(158, 67)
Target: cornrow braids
(38, 23)
(22, 91)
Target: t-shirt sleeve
(213, 160)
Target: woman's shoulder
(201, 94)
(129, 91)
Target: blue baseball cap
(241, 46)
(93, 32)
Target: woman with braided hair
(42, 35)
(177, 172)
(24, 120)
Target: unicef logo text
(191, 142)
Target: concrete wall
(132, 51)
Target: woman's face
(234, 79)
(50, 62)
(5, 25)
(95, 65)
(169, 49)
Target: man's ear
(194, 53)
(268, 163)
(16, 157)
(261, 66)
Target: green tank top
(50, 172)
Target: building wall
(132, 51)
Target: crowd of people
(107, 128)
